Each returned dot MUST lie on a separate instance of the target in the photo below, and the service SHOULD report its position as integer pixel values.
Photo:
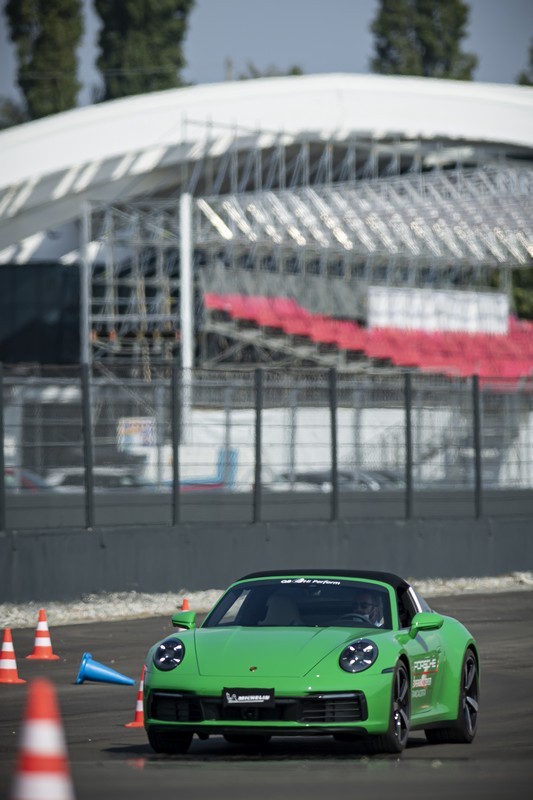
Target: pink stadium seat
(238, 308)
(520, 368)
(266, 318)
(287, 307)
(498, 359)
(406, 357)
(298, 326)
(435, 362)
(324, 331)
(379, 349)
(215, 302)
(352, 340)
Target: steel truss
(215, 159)
(475, 218)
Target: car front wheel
(395, 739)
(463, 730)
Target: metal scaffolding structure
(320, 221)
(470, 218)
(221, 160)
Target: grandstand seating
(498, 359)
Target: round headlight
(358, 656)
(169, 654)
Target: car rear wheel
(170, 743)
(395, 739)
(463, 730)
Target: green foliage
(141, 45)
(523, 292)
(526, 76)
(422, 37)
(11, 113)
(46, 34)
(271, 71)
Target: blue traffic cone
(91, 670)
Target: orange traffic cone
(185, 605)
(42, 648)
(42, 769)
(8, 662)
(138, 720)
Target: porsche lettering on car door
(423, 677)
(425, 664)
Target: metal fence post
(186, 309)
(293, 412)
(334, 515)
(85, 285)
(87, 445)
(258, 444)
(408, 447)
(175, 433)
(2, 461)
(476, 421)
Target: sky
(319, 36)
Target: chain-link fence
(180, 446)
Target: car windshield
(299, 601)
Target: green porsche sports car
(323, 652)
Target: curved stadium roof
(132, 148)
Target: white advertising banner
(437, 310)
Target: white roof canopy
(123, 149)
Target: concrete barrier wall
(52, 512)
(66, 564)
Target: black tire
(247, 740)
(464, 729)
(395, 739)
(169, 743)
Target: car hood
(274, 652)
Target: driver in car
(368, 605)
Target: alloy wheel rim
(401, 706)
(470, 694)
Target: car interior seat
(281, 610)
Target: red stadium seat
(498, 359)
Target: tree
(422, 37)
(141, 45)
(11, 113)
(526, 76)
(523, 292)
(46, 34)
(252, 72)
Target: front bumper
(312, 709)
(347, 704)
(314, 712)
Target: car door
(425, 663)
(425, 655)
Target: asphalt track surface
(108, 760)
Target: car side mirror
(425, 621)
(185, 620)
